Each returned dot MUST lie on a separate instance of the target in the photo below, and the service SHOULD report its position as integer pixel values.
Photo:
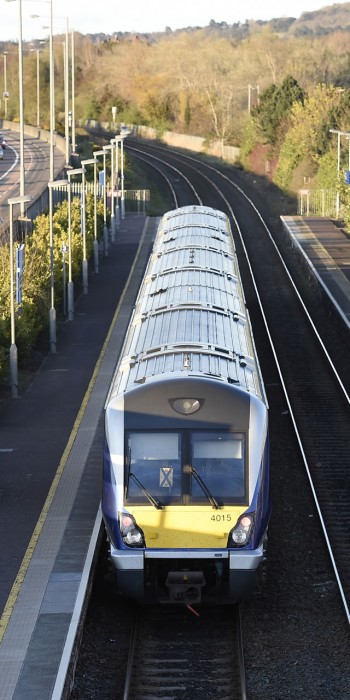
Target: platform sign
(347, 177)
(101, 178)
(19, 272)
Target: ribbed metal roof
(190, 315)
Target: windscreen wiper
(148, 495)
(204, 488)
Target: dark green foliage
(275, 105)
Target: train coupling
(185, 586)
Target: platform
(326, 249)
(51, 452)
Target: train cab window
(154, 461)
(219, 461)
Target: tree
(271, 115)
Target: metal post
(117, 212)
(73, 95)
(96, 260)
(83, 232)
(38, 88)
(66, 94)
(5, 85)
(13, 348)
(89, 161)
(70, 286)
(122, 201)
(112, 194)
(105, 228)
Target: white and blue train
(186, 456)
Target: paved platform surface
(327, 250)
(50, 456)
(50, 478)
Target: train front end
(185, 499)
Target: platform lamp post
(115, 141)
(74, 148)
(22, 200)
(122, 198)
(53, 184)
(113, 222)
(105, 229)
(84, 163)
(97, 154)
(70, 286)
(113, 226)
(21, 106)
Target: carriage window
(219, 459)
(155, 460)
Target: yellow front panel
(182, 527)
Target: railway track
(176, 653)
(317, 398)
(297, 618)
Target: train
(185, 496)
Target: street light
(22, 200)
(5, 94)
(105, 149)
(70, 287)
(105, 229)
(53, 184)
(116, 140)
(122, 200)
(21, 105)
(113, 226)
(37, 51)
(88, 161)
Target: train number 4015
(221, 518)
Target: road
(36, 168)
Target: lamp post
(21, 105)
(13, 349)
(70, 286)
(5, 94)
(116, 207)
(122, 199)
(113, 227)
(74, 148)
(88, 161)
(37, 51)
(96, 255)
(53, 184)
(105, 229)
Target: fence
(317, 203)
(135, 200)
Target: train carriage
(186, 458)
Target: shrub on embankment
(32, 315)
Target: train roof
(190, 316)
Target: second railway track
(296, 640)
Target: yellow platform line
(14, 593)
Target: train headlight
(186, 406)
(130, 532)
(240, 535)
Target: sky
(109, 16)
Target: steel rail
(294, 422)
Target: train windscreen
(185, 466)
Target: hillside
(327, 20)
